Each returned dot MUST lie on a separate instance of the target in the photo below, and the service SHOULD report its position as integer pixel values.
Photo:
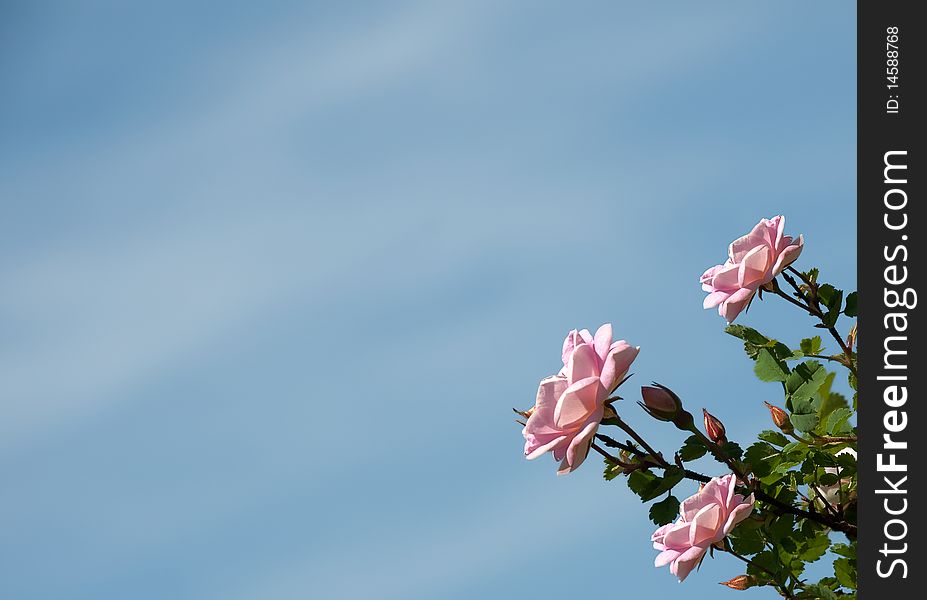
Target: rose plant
(789, 498)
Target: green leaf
(784, 466)
(692, 449)
(747, 334)
(811, 345)
(781, 527)
(754, 340)
(796, 450)
(847, 464)
(747, 539)
(768, 560)
(774, 479)
(733, 450)
(818, 591)
(641, 482)
(611, 471)
(828, 479)
(804, 423)
(845, 550)
(768, 367)
(648, 486)
(781, 351)
(832, 402)
(773, 437)
(664, 511)
(845, 571)
(837, 422)
(757, 456)
(832, 298)
(827, 293)
(828, 382)
(671, 477)
(829, 401)
(850, 309)
(803, 383)
(822, 459)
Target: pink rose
(704, 519)
(571, 404)
(753, 260)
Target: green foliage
(832, 300)
(671, 476)
(748, 537)
(803, 383)
(838, 421)
(845, 572)
(788, 470)
(641, 481)
(611, 471)
(845, 550)
(790, 527)
(753, 339)
(733, 450)
(768, 367)
(830, 402)
(828, 479)
(763, 564)
(759, 458)
(850, 309)
(811, 345)
(818, 591)
(814, 547)
(648, 486)
(804, 422)
(692, 449)
(664, 511)
(773, 437)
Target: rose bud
(714, 428)
(780, 418)
(851, 337)
(741, 582)
(660, 402)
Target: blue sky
(273, 278)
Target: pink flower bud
(780, 418)
(660, 402)
(741, 582)
(714, 428)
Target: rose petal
(690, 559)
(617, 363)
(715, 298)
(603, 340)
(578, 402)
